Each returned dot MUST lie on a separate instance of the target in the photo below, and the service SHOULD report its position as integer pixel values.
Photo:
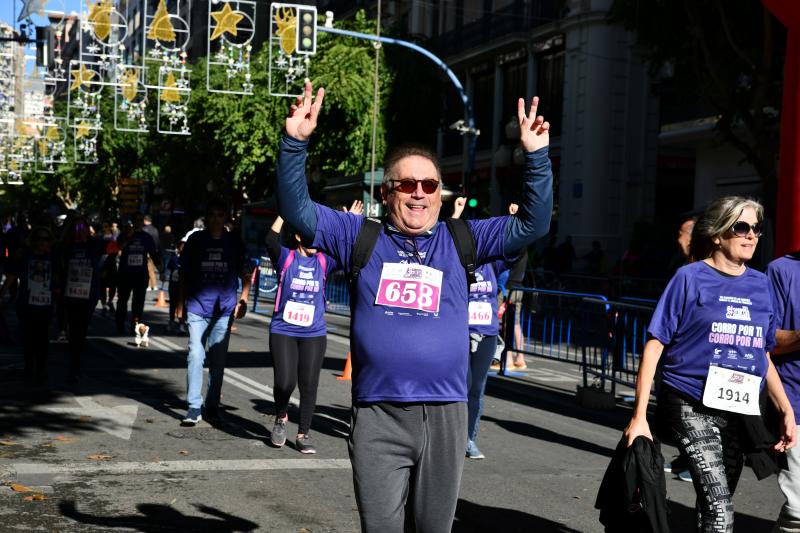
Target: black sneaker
(304, 444)
(193, 416)
(278, 435)
(212, 414)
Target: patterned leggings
(710, 438)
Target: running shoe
(278, 435)
(685, 475)
(304, 444)
(678, 465)
(193, 416)
(212, 413)
(472, 451)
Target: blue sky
(7, 9)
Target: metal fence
(605, 338)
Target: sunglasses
(741, 229)
(408, 186)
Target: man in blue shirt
(784, 277)
(211, 262)
(409, 331)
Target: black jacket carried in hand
(633, 495)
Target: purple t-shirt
(409, 334)
(784, 277)
(211, 268)
(133, 259)
(300, 306)
(483, 299)
(705, 317)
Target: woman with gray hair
(714, 324)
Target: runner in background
(81, 259)
(714, 324)
(213, 261)
(484, 328)
(108, 275)
(516, 280)
(173, 267)
(136, 248)
(35, 268)
(297, 332)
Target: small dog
(142, 338)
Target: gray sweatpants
(407, 461)
(789, 483)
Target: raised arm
(294, 203)
(458, 206)
(274, 241)
(532, 219)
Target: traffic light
(306, 30)
(45, 46)
(473, 202)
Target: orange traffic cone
(162, 300)
(348, 370)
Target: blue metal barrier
(337, 294)
(605, 338)
(556, 325)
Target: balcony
(518, 18)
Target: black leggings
(710, 439)
(297, 360)
(34, 324)
(79, 314)
(128, 284)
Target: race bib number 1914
(410, 286)
(732, 390)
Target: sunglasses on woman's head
(429, 186)
(741, 229)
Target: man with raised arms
(409, 326)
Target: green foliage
(234, 139)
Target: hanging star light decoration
(82, 76)
(100, 18)
(129, 80)
(29, 7)
(82, 130)
(227, 20)
(170, 94)
(161, 28)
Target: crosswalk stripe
(130, 467)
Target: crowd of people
(423, 294)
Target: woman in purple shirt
(297, 333)
(714, 324)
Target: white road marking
(117, 421)
(207, 465)
(259, 390)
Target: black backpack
(368, 236)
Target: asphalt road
(109, 454)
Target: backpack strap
(284, 268)
(363, 247)
(465, 245)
